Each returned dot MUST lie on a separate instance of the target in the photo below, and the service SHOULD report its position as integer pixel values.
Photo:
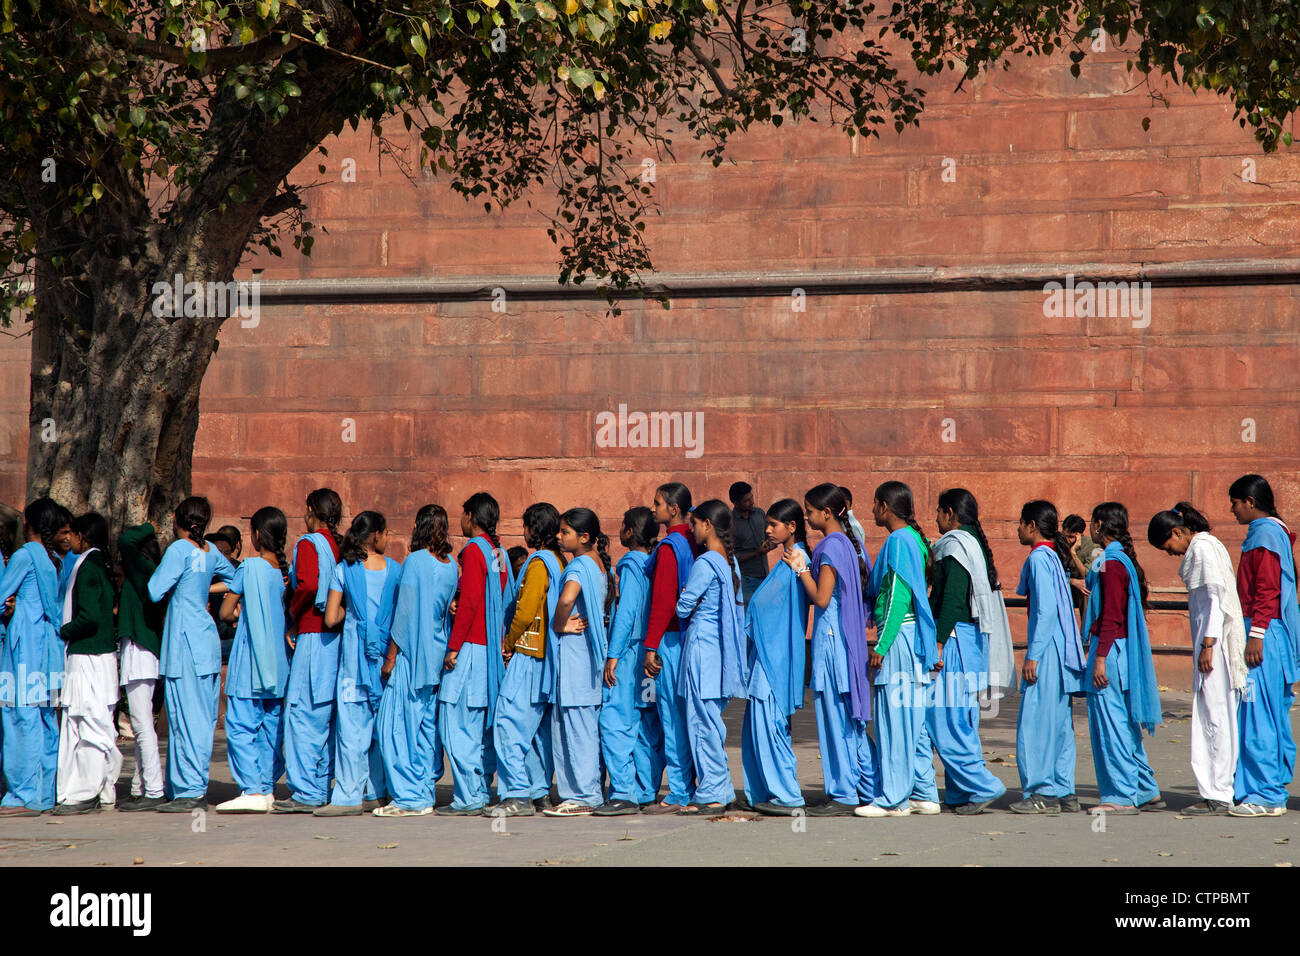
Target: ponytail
(270, 529)
(966, 510)
(193, 515)
(327, 506)
(484, 512)
(1042, 515)
(897, 497)
(364, 525)
(584, 521)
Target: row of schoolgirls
(609, 690)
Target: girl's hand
(1030, 671)
(291, 639)
(1079, 585)
(938, 666)
(506, 654)
(1254, 651)
(387, 669)
(610, 664)
(1099, 679)
(451, 608)
(795, 559)
(449, 662)
(574, 625)
(652, 664)
(874, 661)
(1205, 662)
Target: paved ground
(991, 839)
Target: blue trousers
(1045, 750)
(30, 738)
(461, 727)
(1124, 775)
(254, 734)
(358, 766)
(906, 767)
(309, 717)
(575, 744)
(1267, 748)
(521, 733)
(631, 737)
(672, 719)
(952, 723)
(191, 729)
(850, 764)
(410, 746)
(766, 756)
(708, 736)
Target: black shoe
(1036, 803)
(136, 804)
(1215, 808)
(450, 811)
(542, 804)
(1155, 803)
(970, 809)
(777, 810)
(831, 808)
(741, 804)
(292, 805)
(616, 808)
(183, 805)
(514, 807)
(72, 809)
(1070, 803)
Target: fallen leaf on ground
(1110, 859)
(386, 846)
(1283, 863)
(1163, 853)
(137, 861)
(1281, 839)
(319, 837)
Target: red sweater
(664, 591)
(1112, 622)
(470, 625)
(1259, 585)
(302, 603)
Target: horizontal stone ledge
(993, 278)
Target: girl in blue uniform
(834, 582)
(631, 738)
(905, 655)
(363, 594)
(314, 670)
(407, 724)
(31, 660)
(521, 731)
(586, 595)
(1123, 699)
(1053, 670)
(713, 654)
(776, 621)
(191, 653)
(258, 671)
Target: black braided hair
(193, 515)
(270, 529)
(830, 496)
(897, 497)
(1181, 515)
(327, 506)
(584, 521)
(364, 525)
(1043, 516)
(484, 512)
(641, 522)
(718, 514)
(966, 510)
(1112, 521)
(44, 517)
(542, 528)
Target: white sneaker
(875, 810)
(926, 808)
(392, 810)
(569, 808)
(247, 803)
(1256, 810)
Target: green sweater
(950, 595)
(91, 629)
(894, 604)
(138, 618)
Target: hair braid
(602, 549)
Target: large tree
(145, 140)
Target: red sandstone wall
(449, 398)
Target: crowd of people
(360, 680)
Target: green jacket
(138, 618)
(91, 629)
